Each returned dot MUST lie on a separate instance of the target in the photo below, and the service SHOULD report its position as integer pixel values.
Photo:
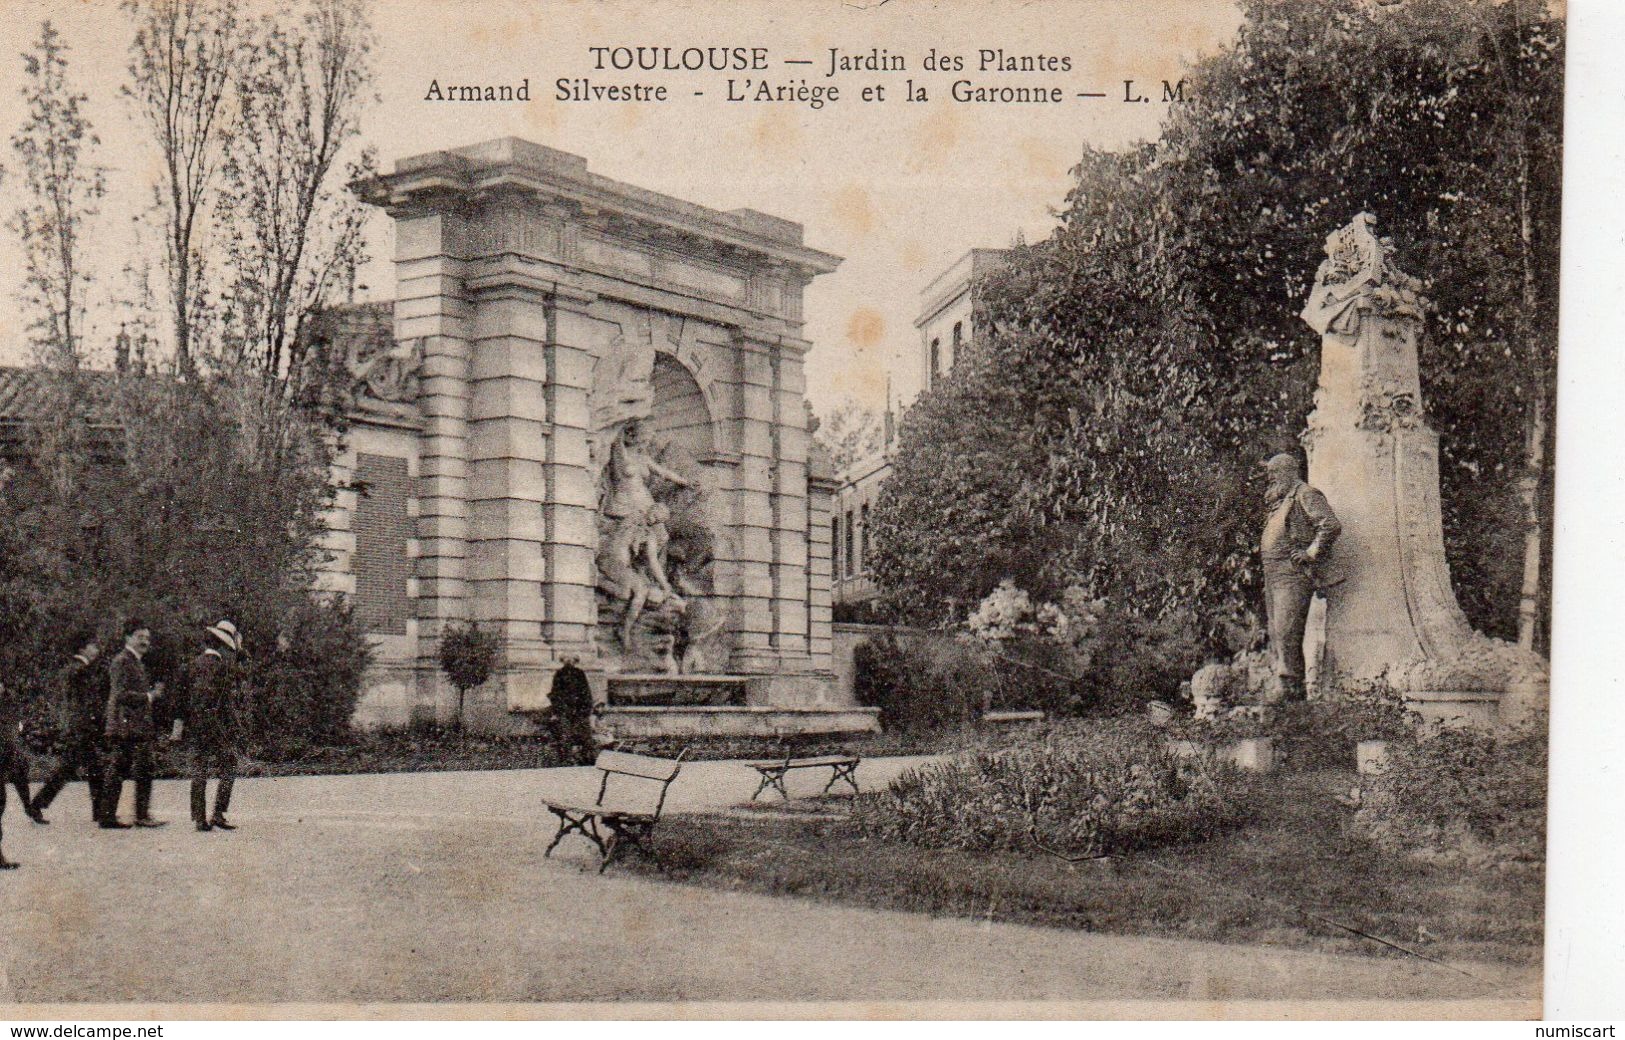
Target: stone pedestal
(1391, 612)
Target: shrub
(1317, 734)
(926, 684)
(1321, 734)
(1462, 794)
(1079, 789)
(302, 691)
(1138, 659)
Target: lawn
(1252, 884)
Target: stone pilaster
(751, 428)
(336, 574)
(432, 306)
(570, 531)
(507, 441)
(790, 534)
(820, 571)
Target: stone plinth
(1391, 611)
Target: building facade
(562, 345)
(947, 327)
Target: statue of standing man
(1298, 532)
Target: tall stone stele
(1394, 614)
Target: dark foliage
(303, 684)
(1137, 364)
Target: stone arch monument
(608, 401)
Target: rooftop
(956, 279)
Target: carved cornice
(494, 173)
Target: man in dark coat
(211, 726)
(81, 691)
(13, 762)
(131, 732)
(1299, 530)
(570, 715)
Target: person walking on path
(211, 725)
(13, 760)
(569, 715)
(131, 733)
(81, 692)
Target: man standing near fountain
(570, 715)
(1298, 531)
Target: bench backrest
(661, 771)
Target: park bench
(773, 771)
(627, 824)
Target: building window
(849, 568)
(959, 339)
(863, 539)
(835, 543)
(936, 364)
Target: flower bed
(1082, 789)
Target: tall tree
(297, 232)
(181, 63)
(850, 432)
(61, 190)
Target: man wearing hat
(211, 727)
(570, 714)
(1299, 530)
(81, 690)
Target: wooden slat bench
(628, 824)
(841, 767)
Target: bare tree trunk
(1534, 526)
(1534, 460)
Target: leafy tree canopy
(1148, 354)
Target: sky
(898, 189)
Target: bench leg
(568, 824)
(766, 779)
(624, 835)
(777, 781)
(843, 773)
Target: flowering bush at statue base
(1078, 789)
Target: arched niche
(680, 420)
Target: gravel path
(431, 887)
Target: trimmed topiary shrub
(1077, 789)
(468, 656)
